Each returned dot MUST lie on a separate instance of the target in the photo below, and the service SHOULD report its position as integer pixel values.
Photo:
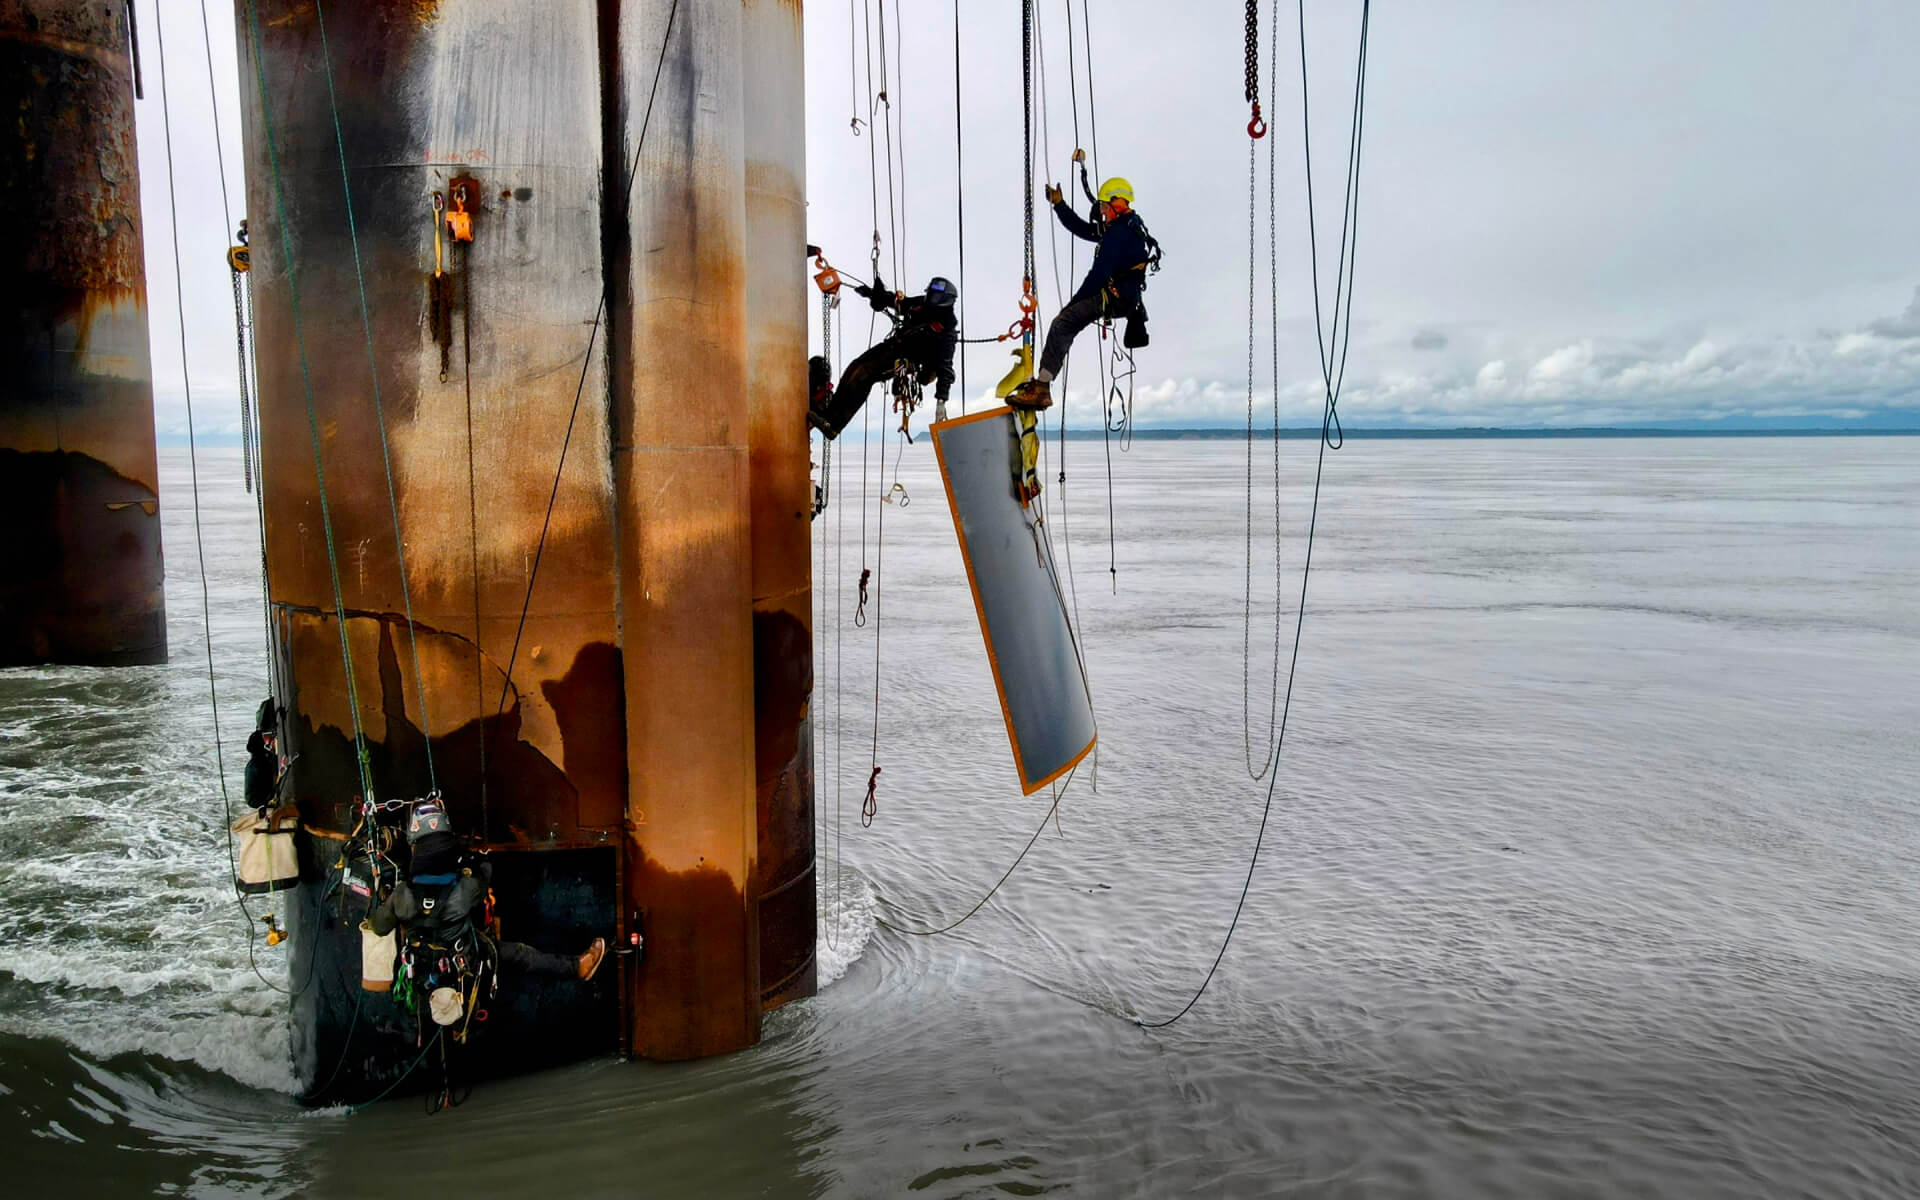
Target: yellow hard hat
(1116, 188)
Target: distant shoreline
(1309, 432)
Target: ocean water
(1591, 867)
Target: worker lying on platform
(922, 343)
(1111, 290)
(444, 908)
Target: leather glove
(1055, 195)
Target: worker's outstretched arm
(1076, 224)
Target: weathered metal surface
(1030, 642)
(78, 483)
(775, 119)
(631, 704)
(505, 95)
(685, 563)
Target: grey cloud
(1429, 339)
(1906, 325)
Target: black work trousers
(517, 956)
(875, 366)
(1067, 324)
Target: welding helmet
(940, 291)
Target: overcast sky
(1569, 213)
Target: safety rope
(960, 202)
(839, 644)
(900, 126)
(1051, 813)
(379, 412)
(884, 99)
(1329, 423)
(313, 419)
(1093, 110)
(193, 467)
(586, 365)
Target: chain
(1257, 127)
(246, 416)
(1026, 96)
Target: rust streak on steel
(78, 478)
(685, 552)
(509, 91)
(775, 119)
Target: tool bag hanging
(269, 860)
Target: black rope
(193, 466)
(1058, 795)
(1343, 289)
(960, 200)
(586, 365)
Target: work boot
(1031, 396)
(590, 961)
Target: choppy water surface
(1591, 872)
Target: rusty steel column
(484, 375)
(79, 499)
(682, 481)
(777, 304)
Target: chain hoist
(239, 262)
(1257, 127)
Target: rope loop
(870, 807)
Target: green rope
(404, 1075)
(379, 413)
(313, 420)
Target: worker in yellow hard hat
(1111, 289)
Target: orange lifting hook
(1257, 128)
(459, 220)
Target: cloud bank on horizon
(1569, 215)
(1600, 215)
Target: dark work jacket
(1119, 265)
(928, 335)
(263, 774)
(457, 906)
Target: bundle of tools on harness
(447, 957)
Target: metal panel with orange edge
(1030, 642)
